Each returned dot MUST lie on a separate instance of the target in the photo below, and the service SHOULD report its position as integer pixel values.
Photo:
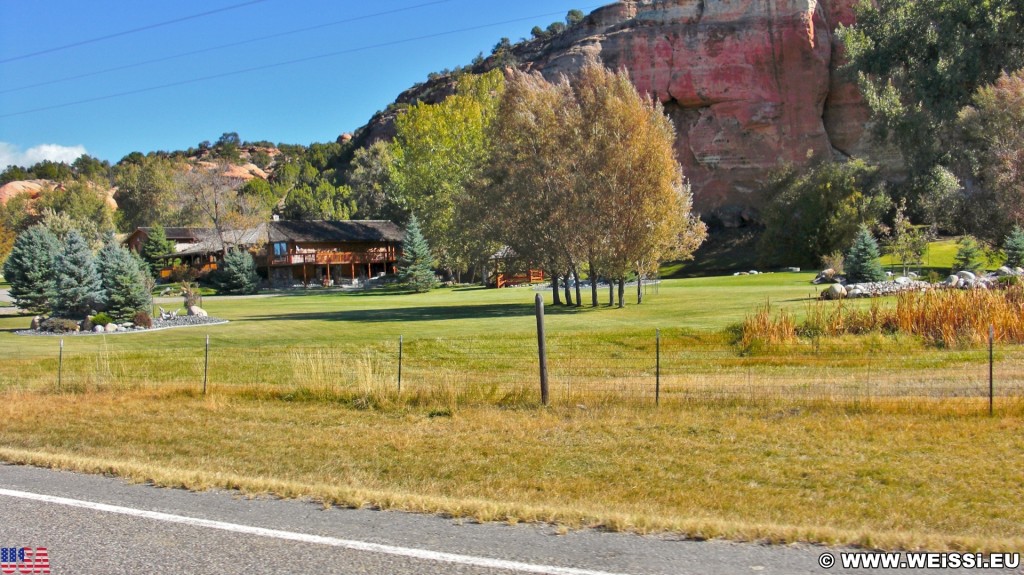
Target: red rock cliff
(750, 85)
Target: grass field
(877, 473)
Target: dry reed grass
(949, 318)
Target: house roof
(335, 231)
(298, 231)
(211, 242)
(188, 234)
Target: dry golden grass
(869, 475)
(950, 318)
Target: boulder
(98, 329)
(1018, 271)
(965, 275)
(36, 322)
(856, 293)
(902, 280)
(197, 311)
(111, 328)
(952, 281)
(1004, 271)
(834, 291)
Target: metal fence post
(400, 364)
(206, 364)
(541, 350)
(657, 367)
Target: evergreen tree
(415, 269)
(237, 273)
(77, 285)
(125, 281)
(29, 269)
(1014, 247)
(156, 245)
(862, 263)
(969, 255)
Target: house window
(280, 249)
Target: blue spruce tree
(415, 268)
(77, 285)
(862, 263)
(29, 269)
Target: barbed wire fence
(584, 369)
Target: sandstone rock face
(750, 85)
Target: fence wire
(582, 369)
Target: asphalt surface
(157, 531)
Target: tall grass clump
(954, 317)
(763, 328)
(827, 320)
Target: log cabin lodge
(293, 252)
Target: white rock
(834, 291)
(197, 311)
(1004, 271)
(111, 328)
(37, 321)
(902, 280)
(98, 329)
(855, 293)
(966, 276)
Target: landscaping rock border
(158, 325)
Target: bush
(59, 325)
(143, 319)
(102, 318)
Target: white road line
(306, 538)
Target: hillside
(749, 86)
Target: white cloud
(11, 155)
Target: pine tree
(969, 256)
(156, 245)
(238, 273)
(77, 286)
(1014, 248)
(862, 263)
(125, 281)
(29, 269)
(415, 269)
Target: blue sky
(273, 83)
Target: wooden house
(509, 270)
(330, 252)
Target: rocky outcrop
(750, 85)
(36, 187)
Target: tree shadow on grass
(421, 313)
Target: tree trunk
(611, 292)
(554, 290)
(579, 296)
(593, 286)
(639, 289)
(568, 290)
(622, 292)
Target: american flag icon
(24, 560)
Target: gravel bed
(158, 324)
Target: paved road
(99, 525)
